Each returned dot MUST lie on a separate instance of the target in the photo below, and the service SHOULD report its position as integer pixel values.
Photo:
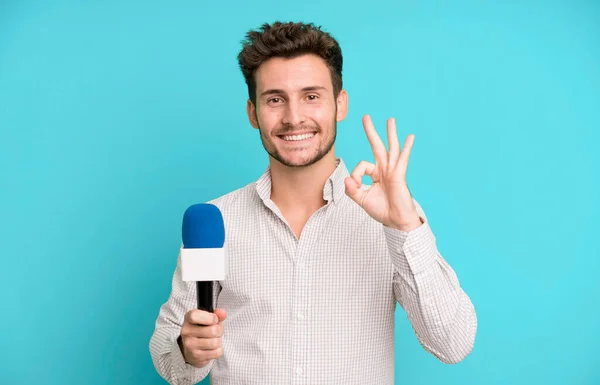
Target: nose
(293, 114)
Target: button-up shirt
(318, 309)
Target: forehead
(293, 73)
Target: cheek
(268, 120)
(324, 115)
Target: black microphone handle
(204, 291)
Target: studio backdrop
(115, 116)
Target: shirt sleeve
(164, 349)
(425, 285)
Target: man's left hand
(388, 201)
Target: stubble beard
(274, 153)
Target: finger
(393, 144)
(408, 144)
(208, 343)
(221, 314)
(213, 331)
(193, 344)
(353, 190)
(363, 168)
(207, 355)
(201, 317)
(377, 145)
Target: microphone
(203, 258)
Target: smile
(294, 138)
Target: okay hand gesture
(388, 201)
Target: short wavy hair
(288, 40)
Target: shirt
(318, 309)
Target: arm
(425, 285)
(428, 289)
(164, 345)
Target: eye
(312, 97)
(274, 100)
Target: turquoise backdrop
(115, 116)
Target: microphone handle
(204, 290)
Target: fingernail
(216, 319)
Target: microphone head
(203, 227)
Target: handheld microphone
(203, 258)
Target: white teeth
(298, 137)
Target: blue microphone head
(203, 227)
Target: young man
(317, 261)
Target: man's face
(296, 112)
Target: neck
(301, 188)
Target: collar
(333, 191)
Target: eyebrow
(305, 89)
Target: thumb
(353, 190)
(221, 313)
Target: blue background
(116, 116)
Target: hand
(388, 201)
(201, 335)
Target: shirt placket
(301, 316)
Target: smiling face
(296, 111)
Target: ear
(251, 111)
(342, 105)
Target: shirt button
(298, 371)
(300, 316)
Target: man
(317, 260)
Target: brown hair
(288, 40)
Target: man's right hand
(201, 336)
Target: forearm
(165, 350)
(169, 362)
(428, 289)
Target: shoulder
(236, 199)
(239, 209)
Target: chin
(299, 161)
(295, 162)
